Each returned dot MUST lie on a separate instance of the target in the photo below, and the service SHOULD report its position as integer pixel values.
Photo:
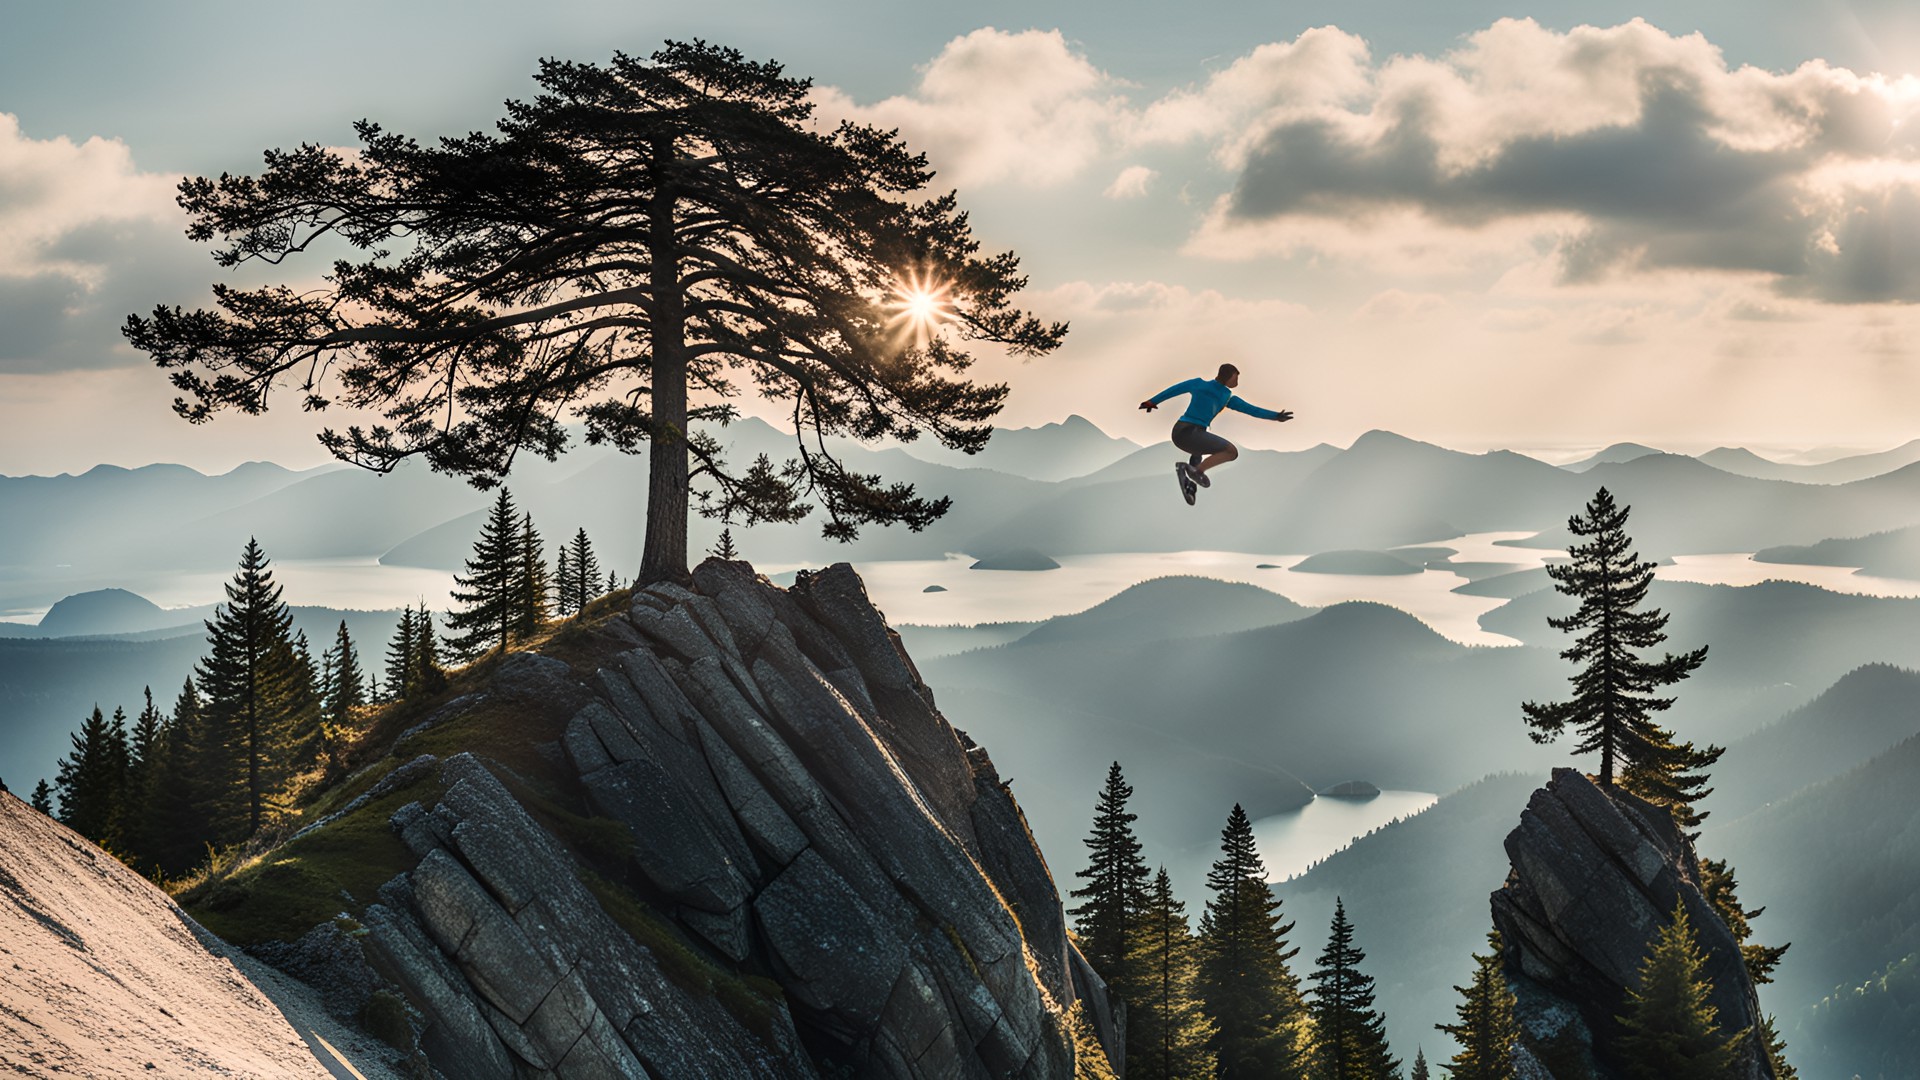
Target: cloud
(1000, 107)
(86, 237)
(1623, 150)
(1131, 183)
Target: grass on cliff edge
(249, 896)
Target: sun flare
(921, 304)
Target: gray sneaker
(1195, 475)
(1187, 487)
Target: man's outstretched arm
(1237, 405)
(1186, 387)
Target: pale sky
(1683, 224)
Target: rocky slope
(101, 976)
(762, 853)
(1595, 875)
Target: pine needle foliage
(488, 596)
(1116, 880)
(1720, 887)
(1614, 699)
(1349, 1035)
(1420, 1070)
(1245, 986)
(1167, 1030)
(1672, 1032)
(639, 232)
(585, 568)
(1487, 1029)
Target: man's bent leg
(1220, 458)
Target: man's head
(1229, 375)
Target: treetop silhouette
(629, 247)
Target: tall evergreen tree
(91, 778)
(1420, 1071)
(188, 778)
(1245, 986)
(255, 693)
(1718, 884)
(42, 799)
(1487, 1030)
(532, 594)
(403, 654)
(566, 583)
(586, 570)
(428, 676)
(1672, 1032)
(489, 594)
(147, 746)
(1349, 1035)
(1116, 880)
(1614, 701)
(301, 738)
(345, 691)
(1167, 1032)
(639, 232)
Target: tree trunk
(664, 557)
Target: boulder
(1596, 873)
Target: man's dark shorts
(1197, 440)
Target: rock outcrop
(1595, 875)
(819, 875)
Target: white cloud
(86, 238)
(997, 107)
(1131, 183)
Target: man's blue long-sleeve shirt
(1207, 398)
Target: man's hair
(1226, 370)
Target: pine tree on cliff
(250, 685)
(586, 570)
(302, 738)
(637, 233)
(1116, 881)
(566, 584)
(42, 798)
(1420, 1071)
(1719, 886)
(347, 689)
(1615, 700)
(1349, 1035)
(146, 747)
(1245, 986)
(531, 594)
(723, 547)
(1167, 1032)
(1487, 1030)
(489, 595)
(1672, 1032)
(1777, 1051)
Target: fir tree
(1777, 1051)
(1244, 983)
(428, 677)
(42, 799)
(1116, 879)
(146, 747)
(613, 583)
(402, 652)
(1420, 1071)
(91, 778)
(342, 691)
(301, 738)
(566, 583)
(1672, 1032)
(187, 781)
(1487, 1030)
(531, 593)
(489, 594)
(586, 570)
(1349, 1036)
(723, 548)
(1614, 700)
(1167, 1032)
(253, 697)
(1718, 884)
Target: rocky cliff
(757, 851)
(1595, 875)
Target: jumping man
(1206, 398)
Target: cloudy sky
(1682, 223)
